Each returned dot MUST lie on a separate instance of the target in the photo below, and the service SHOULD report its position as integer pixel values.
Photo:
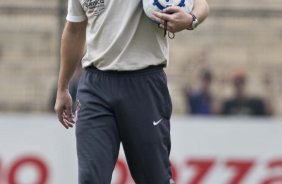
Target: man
(242, 104)
(122, 94)
(200, 102)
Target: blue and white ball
(158, 5)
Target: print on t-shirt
(93, 6)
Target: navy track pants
(132, 108)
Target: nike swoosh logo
(156, 123)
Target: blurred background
(225, 80)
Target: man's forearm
(72, 47)
(200, 10)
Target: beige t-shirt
(119, 36)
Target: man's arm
(178, 20)
(72, 48)
(200, 10)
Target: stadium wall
(37, 149)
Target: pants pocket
(167, 103)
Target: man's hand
(177, 19)
(63, 108)
(72, 46)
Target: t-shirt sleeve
(75, 11)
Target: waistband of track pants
(148, 70)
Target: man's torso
(120, 37)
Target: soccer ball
(150, 6)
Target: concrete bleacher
(237, 34)
(28, 54)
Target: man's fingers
(63, 108)
(60, 115)
(171, 9)
(168, 27)
(162, 16)
(160, 21)
(65, 125)
(62, 120)
(68, 124)
(68, 121)
(163, 19)
(161, 26)
(59, 112)
(68, 113)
